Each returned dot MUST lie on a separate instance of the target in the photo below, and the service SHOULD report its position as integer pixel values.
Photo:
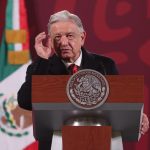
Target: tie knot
(73, 68)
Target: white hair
(65, 16)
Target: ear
(83, 36)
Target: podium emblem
(87, 89)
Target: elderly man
(66, 37)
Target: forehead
(63, 27)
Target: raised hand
(44, 51)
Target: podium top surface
(52, 88)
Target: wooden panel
(86, 137)
(52, 88)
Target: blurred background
(119, 29)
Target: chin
(66, 58)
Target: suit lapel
(87, 60)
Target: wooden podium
(52, 109)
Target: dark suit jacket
(55, 66)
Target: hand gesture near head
(44, 51)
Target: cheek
(75, 44)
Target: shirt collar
(77, 62)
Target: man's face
(67, 40)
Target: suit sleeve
(24, 94)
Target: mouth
(65, 50)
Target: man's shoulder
(98, 57)
(101, 63)
(38, 66)
(42, 61)
(103, 58)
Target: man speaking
(66, 37)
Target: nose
(64, 40)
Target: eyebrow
(65, 33)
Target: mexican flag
(16, 131)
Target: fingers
(39, 38)
(42, 50)
(145, 124)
